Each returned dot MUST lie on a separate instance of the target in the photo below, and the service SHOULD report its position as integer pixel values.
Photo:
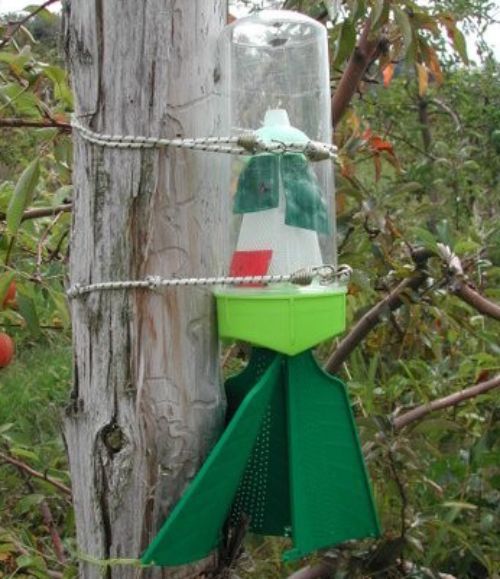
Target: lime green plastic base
(288, 322)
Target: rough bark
(146, 404)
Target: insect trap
(289, 461)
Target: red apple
(6, 349)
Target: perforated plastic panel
(264, 494)
(289, 458)
(306, 476)
(194, 528)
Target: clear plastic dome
(275, 80)
(277, 59)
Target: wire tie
(248, 141)
(302, 276)
(74, 290)
(153, 281)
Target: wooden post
(146, 404)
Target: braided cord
(325, 274)
(245, 144)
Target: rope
(325, 273)
(245, 144)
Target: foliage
(36, 169)
(418, 165)
(34, 174)
(32, 393)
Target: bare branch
(34, 473)
(35, 124)
(46, 211)
(459, 286)
(448, 110)
(367, 50)
(395, 299)
(452, 400)
(469, 295)
(360, 330)
(48, 519)
(319, 571)
(43, 212)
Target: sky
(492, 35)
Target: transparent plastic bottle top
(275, 80)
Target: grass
(34, 390)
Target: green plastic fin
(258, 185)
(331, 495)
(194, 526)
(264, 494)
(239, 385)
(305, 204)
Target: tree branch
(42, 212)
(395, 299)
(319, 571)
(54, 534)
(367, 50)
(34, 473)
(360, 330)
(46, 211)
(469, 295)
(423, 117)
(419, 412)
(23, 21)
(449, 111)
(458, 284)
(35, 124)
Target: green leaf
(23, 195)
(346, 42)
(61, 304)
(36, 565)
(377, 11)
(5, 427)
(63, 151)
(460, 45)
(437, 426)
(459, 505)
(20, 100)
(28, 502)
(466, 246)
(28, 312)
(46, 15)
(62, 195)
(424, 237)
(16, 58)
(444, 234)
(358, 10)
(410, 187)
(23, 453)
(403, 21)
(59, 78)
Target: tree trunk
(146, 404)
